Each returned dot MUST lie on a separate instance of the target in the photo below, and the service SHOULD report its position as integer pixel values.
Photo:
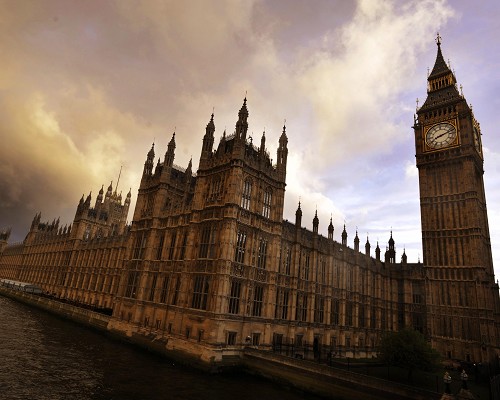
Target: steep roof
(440, 66)
(442, 89)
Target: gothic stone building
(209, 266)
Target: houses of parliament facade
(209, 266)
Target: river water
(44, 357)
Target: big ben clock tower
(462, 297)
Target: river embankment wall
(301, 374)
(77, 314)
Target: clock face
(441, 135)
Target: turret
(222, 142)
(36, 219)
(129, 196)
(262, 149)
(4, 237)
(86, 204)
(79, 207)
(390, 254)
(148, 165)
(356, 241)
(377, 252)
(404, 257)
(208, 140)
(298, 217)
(242, 124)
(109, 192)
(170, 154)
(189, 171)
(100, 196)
(330, 230)
(5, 234)
(158, 167)
(282, 152)
(367, 247)
(315, 222)
(344, 237)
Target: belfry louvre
(209, 266)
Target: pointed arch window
(241, 241)
(216, 188)
(208, 241)
(301, 309)
(200, 292)
(348, 314)
(334, 320)
(234, 297)
(286, 261)
(319, 309)
(262, 255)
(258, 300)
(281, 310)
(164, 289)
(266, 204)
(86, 235)
(131, 288)
(139, 246)
(247, 194)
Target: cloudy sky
(87, 86)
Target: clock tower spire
(455, 235)
(449, 159)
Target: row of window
(350, 278)
(200, 293)
(301, 310)
(100, 280)
(102, 257)
(239, 254)
(246, 199)
(161, 292)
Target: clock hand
(437, 137)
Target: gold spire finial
(438, 39)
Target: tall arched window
(266, 204)
(247, 194)
(86, 234)
(241, 241)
